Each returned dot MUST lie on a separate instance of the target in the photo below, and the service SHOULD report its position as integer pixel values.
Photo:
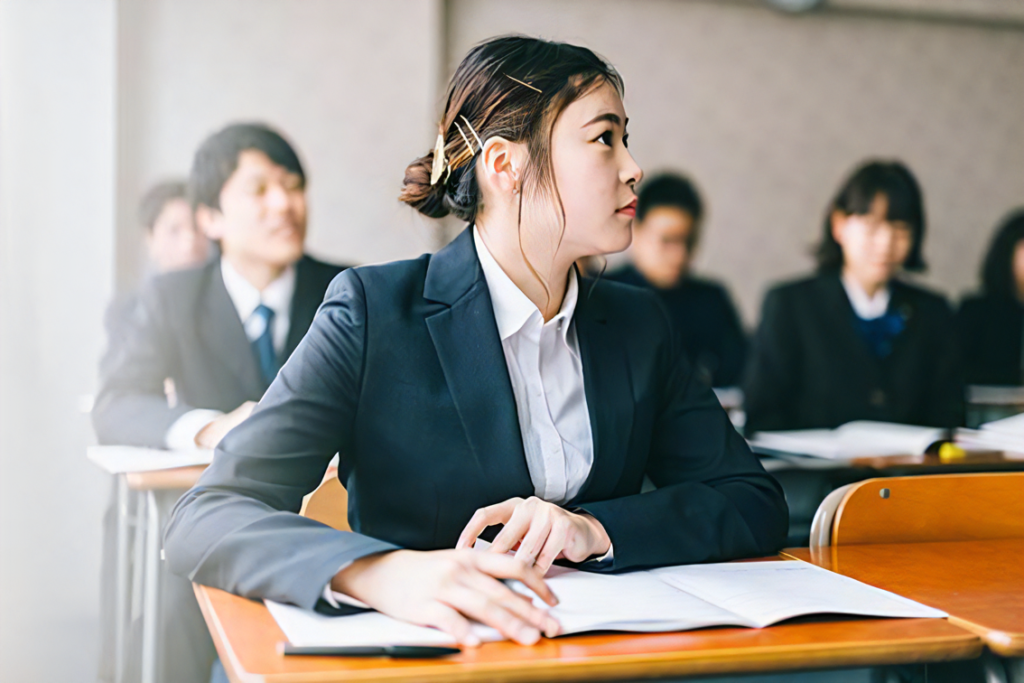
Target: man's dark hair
(158, 196)
(672, 190)
(997, 270)
(895, 182)
(217, 158)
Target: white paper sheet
(764, 593)
(121, 459)
(861, 438)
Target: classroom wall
(57, 83)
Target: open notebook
(753, 594)
(1002, 435)
(862, 438)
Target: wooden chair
(932, 508)
(328, 504)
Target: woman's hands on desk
(543, 532)
(446, 588)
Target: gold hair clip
(478, 140)
(523, 83)
(439, 161)
(469, 145)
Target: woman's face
(874, 247)
(595, 174)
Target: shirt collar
(277, 295)
(866, 308)
(512, 308)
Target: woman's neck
(526, 269)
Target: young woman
(855, 342)
(486, 385)
(991, 324)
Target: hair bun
(417, 191)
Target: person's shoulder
(921, 297)
(180, 287)
(626, 273)
(803, 288)
(382, 279)
(707, 288)
(622, 301)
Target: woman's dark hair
(156, 198)
(997, 277)
(672, 190)
(217, 158)
(895, 182)
(514, 87)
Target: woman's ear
(838, 220)
(501, 165)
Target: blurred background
(766, 109)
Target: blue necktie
(259, 330)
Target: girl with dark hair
(486, 385)
(856, 342)
(991, 324)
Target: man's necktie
(259, 330)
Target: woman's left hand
(544, 532)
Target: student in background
(173, 241)
(856, 342)
(452, 387)
(667, 229)
(218, 333)
(991, 324)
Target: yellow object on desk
(949, 452)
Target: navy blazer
(402, 373)
(811, 368)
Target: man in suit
(204, 344)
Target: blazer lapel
(465, 337)
(609, 390)
(305, 301)
(224, 336)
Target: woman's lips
(628, 209)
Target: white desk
(140, 473)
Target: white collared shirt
(277, 296)
(547, 380)
(866, 308)
(544, 366)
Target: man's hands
(210, 435)
(543, 532)
(447, 588)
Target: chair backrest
(821, 526)
(931, 508)
(328, 504)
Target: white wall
(769, 111)
(56, 225)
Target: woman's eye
(606, 138)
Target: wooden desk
(247, 640)
(161, 480)
(979, 583)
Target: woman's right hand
(447, 588)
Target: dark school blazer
(992, 339)
(185, 327)
(810, 368)
(705, 320)
(402, 374)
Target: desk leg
(121, 580)
(137, 499)
(150, 623)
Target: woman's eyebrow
(608, 116)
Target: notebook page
(370, 629)
(768, 592)
(636, 602)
